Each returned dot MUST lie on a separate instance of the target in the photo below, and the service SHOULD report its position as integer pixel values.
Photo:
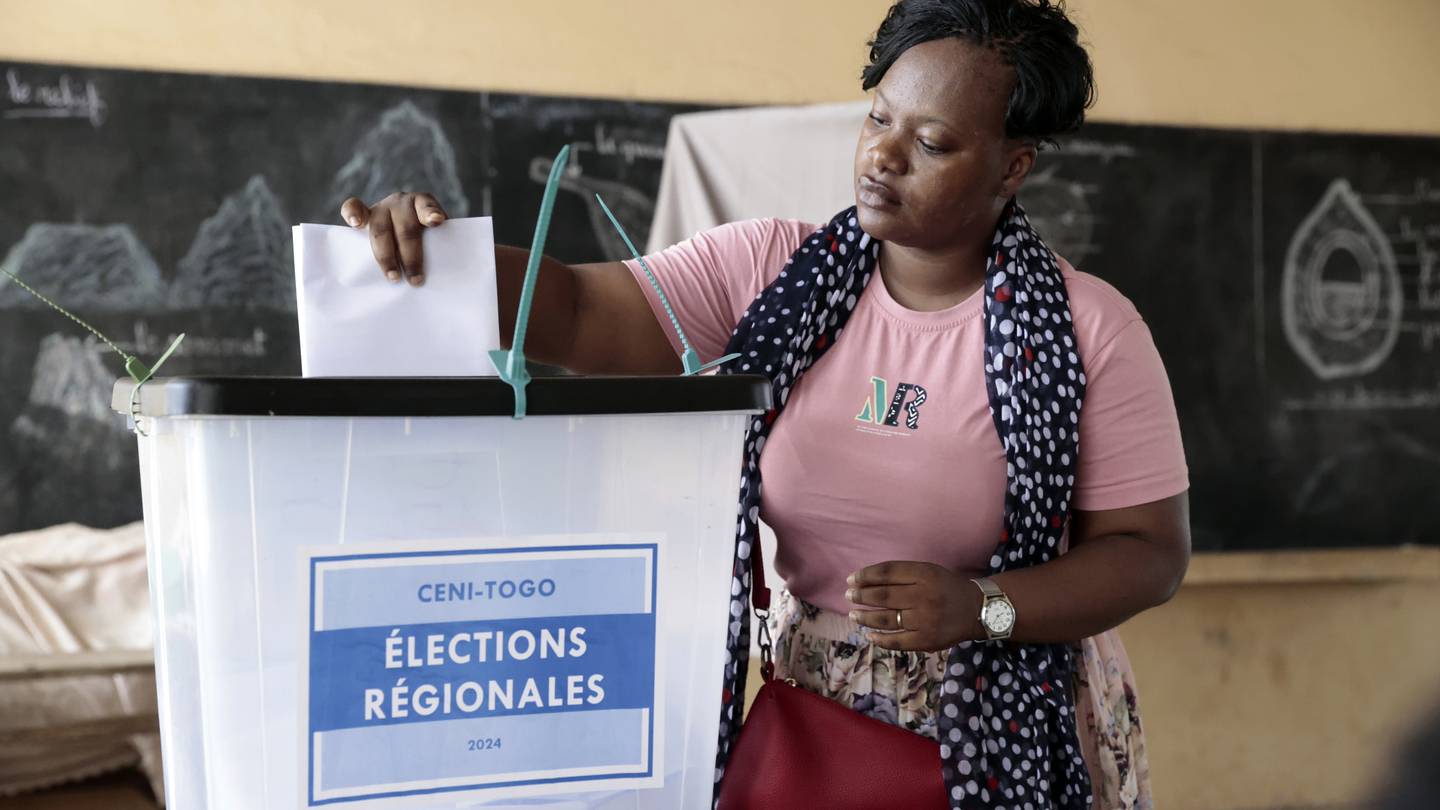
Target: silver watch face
(998, 616)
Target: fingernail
(434, 219)
(393, 275)
(850, 580)
(354, 221)
(854, 617)
(417, 279)
(850, 596)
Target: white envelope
(356, 323)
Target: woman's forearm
(549, 336)
(1093, 588)
(1121, 561)
(588, 318)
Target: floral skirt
(830, 655)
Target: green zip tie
(690, 359)
(511, 363)
(68, 314)
(134, 366)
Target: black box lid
(441, 396)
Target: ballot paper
(354, 322)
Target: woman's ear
(1020, 159)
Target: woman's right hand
(592, 318)
(396, 225)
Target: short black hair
(1054, 80)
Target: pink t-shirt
(844, 490)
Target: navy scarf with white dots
(1007, 722)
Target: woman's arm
(1121, 562)
(589, 318)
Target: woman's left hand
(918, 606)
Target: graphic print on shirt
(909, 396)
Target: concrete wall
(1271, 680)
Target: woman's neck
(929, 281)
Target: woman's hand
(396, 225)
(919, 606)
(1120, 562)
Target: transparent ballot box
(377, 593)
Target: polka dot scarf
(1007, 725)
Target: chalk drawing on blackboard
(66, 433)
(241, 257)
(70, 386)
(70, 376)
(1061, 212)
(1340, 295)
(632, 207)
(406, 151)
(90, 268)
(1422, 193)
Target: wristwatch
(997, 614)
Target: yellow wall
(1324, 64)
(1283, 680)
(1256, 695)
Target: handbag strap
(760, 602)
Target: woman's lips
(875, 194)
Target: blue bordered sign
(522, 666)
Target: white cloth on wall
(728, 165)
(69, 590)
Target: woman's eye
(930, 147)
(878, 120)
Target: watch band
(988, 587)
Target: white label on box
(521, 667)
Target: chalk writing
(1429, 333)
(65, 98)
(252, 345)
(1423, 193)
(633, 207)
(1429, 295)
(1360, 398)
(1106, 152)
(607, 143)
(144, 342)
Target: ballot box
(378, 593)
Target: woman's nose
(885, 154)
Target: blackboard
(1291, 280)
(1292, 283)
(153, 203)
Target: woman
(924, 473)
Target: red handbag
(798, 749)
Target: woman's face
(933, 164)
